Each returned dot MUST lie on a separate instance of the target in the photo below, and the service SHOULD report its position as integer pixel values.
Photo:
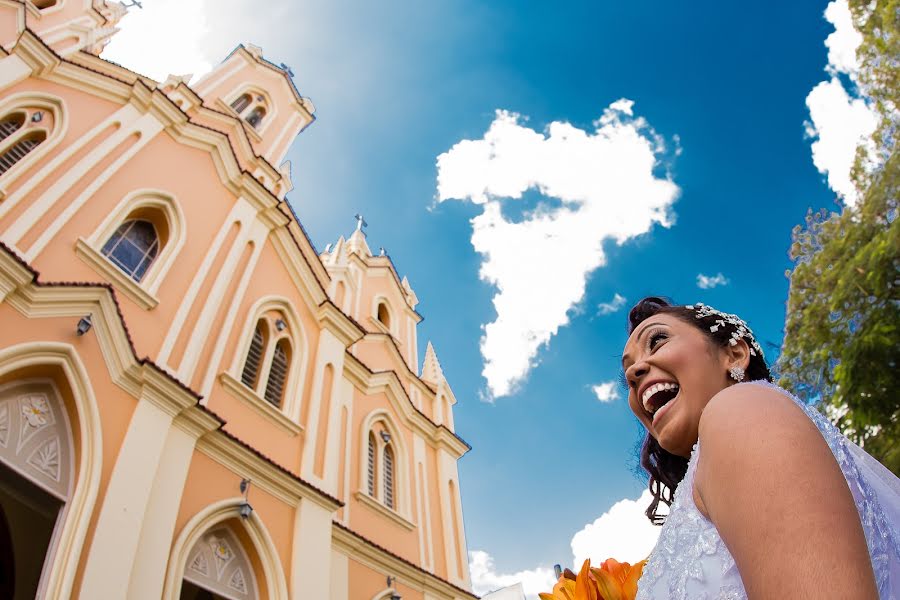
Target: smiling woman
(747, 520)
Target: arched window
(133, 247)
(250, 374)
(385, 479)
(241, 103)
(271, 363)
(388, 476)
(256, 116)
(26, 122)
(384, 314)
(278, 373)
(19, 149)
(370, 472)
(136, 244)
(11, 124)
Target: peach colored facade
(169, 331)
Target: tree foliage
(842, 332)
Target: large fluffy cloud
(485, 578)
(623, 532)
(597, 185)
(839, 122)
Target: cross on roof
(360, 222)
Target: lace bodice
(690, 559)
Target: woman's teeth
(652, 391)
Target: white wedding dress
(690, 559)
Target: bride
(767, 499)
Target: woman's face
(673, 370)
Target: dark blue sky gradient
(398, 83)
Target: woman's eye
(654, 339)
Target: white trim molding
(76, 516)
(296, 379)
(164, 204)
(207, 519)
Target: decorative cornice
(237, 456)
(234, 163)
(385, 262)
(380, 559)
(333, 319)
(142, 378)
(388, 383)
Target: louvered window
(133, 247)
(388, 476)
(371, 466)
(277, 375)
(11, 124)
(256, 117)
(18, 151)
(241, 103)
(254, 358)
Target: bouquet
(612, 581)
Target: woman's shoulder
(752, 432)
(750, 409)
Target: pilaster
(310, 568)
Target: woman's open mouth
(658, 397)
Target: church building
(194, 402)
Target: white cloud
(605, 308)
(608, 187)
(606, 391)
(163, 38)
(706, 282)
(486, 579)
(839, 122)
(623, 532)
(843, 42)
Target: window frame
(287, 416)
(401, 511)
(25, 101)
(255, 91)
(90, 249)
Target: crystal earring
(737, 373)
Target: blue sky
(721, 97)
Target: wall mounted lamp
(246, 510)
(385, 436)
(280, 324)
(84, 325)
(390, 583)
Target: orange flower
(612, 581)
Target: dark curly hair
(666, 470)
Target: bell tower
(261, 94)
(72, 26)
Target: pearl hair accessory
(737, 373)
(741, 330)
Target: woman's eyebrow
(644, 328)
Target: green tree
(842, 332)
